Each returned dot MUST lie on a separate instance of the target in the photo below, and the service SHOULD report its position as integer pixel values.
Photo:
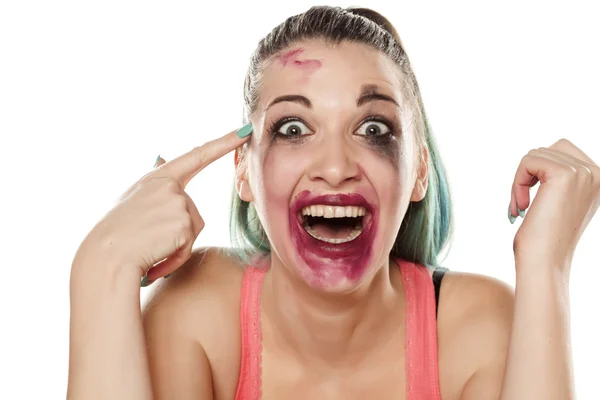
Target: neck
(333, 329)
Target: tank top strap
(422, 372)
(251, 340)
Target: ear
(420, 188)
(242, 185)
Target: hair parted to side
(427, 226)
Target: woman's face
(332, 163)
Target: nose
(334, 161)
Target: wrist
(544, 259)
(542, 272)
(110, 275)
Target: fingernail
(510, 217)
(157, 160)
(521, 212)
(145, 282)
(244, 131)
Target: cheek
(393, 150)
(277, 170)
(390, 152)
(389, 167)
(282, 168)
(387, 178)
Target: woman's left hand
(566, 201)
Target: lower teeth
(353, 235)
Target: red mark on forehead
(291, 57)
(292, 54)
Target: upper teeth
(333, 211)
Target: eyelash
(275, 125)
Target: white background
(92, 92)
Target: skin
(341, 337)
(325, 159)
(291, 58)
(345, 338)
(154, 224)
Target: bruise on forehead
(291, 58)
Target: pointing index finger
(186, 166)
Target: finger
(170, 264)
(534, 168)
(180, 256)
(518, 208)
(567, 159)
(159, 161)
(197, 221)
(565, 146)
(537, 166)
(186, 166)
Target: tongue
(332, 228)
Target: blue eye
(373, 128)
(292, 129)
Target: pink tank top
(422, 380)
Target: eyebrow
(368, 93)
(371, 93)
(294, 98)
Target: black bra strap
(437, 276)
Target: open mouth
(334, 224)
(334, 234)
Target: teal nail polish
(510, 216)
(521, 212)
(244, 131)
(145, 282)
(157, 160)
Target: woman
(342, 205)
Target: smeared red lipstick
(349, 259)
(291, 57)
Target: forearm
(108, 358)
(539, 364)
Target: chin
(332, 279)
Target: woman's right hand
(155, 223)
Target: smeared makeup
(291, 58)
(388, 147)
(331, 263)
(333, 153)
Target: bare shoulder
(206, 284)
(471, 293)
(474, 325)
(192, 329)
